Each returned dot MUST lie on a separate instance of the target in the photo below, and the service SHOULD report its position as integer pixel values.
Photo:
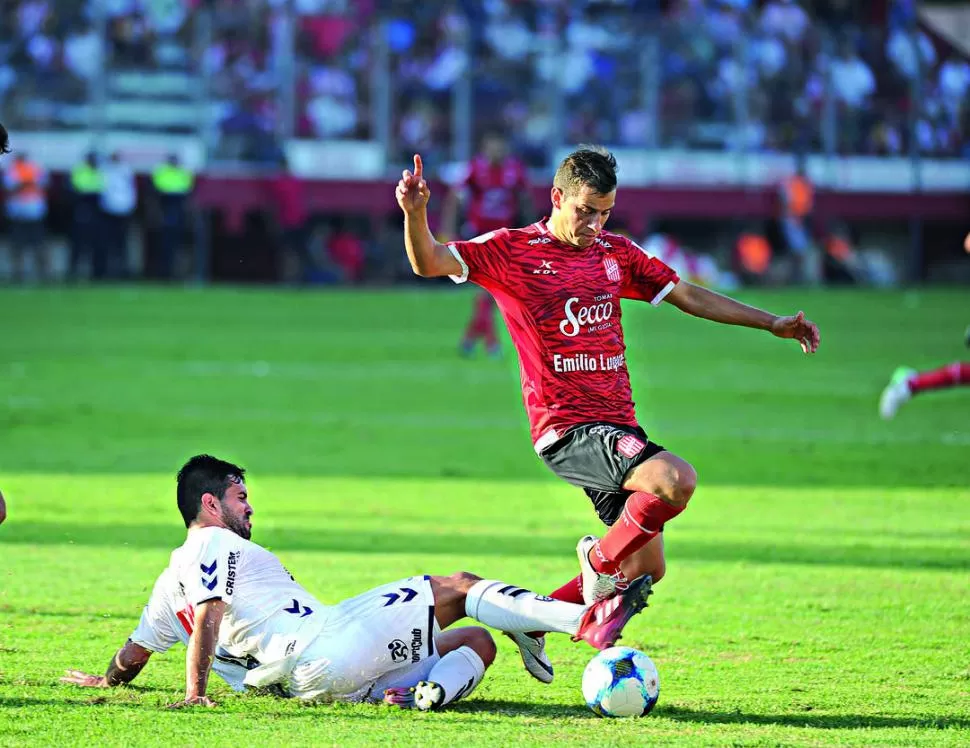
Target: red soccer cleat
(604, 621)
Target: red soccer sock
(642, 520)
(951, 375)
(571, 592)
(491, 339)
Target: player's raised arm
(125, 666)
(200, 652)
(429, 258)
(702, 302)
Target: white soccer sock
(458, 672)
(509, 608)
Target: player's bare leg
(661, 488)
(665, 475)
(474, 637)
(449, 596)
(648, 560)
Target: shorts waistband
(547, 438)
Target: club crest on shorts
(612, 268)
(398, 650)
(630, 446)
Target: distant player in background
(233, 601)
(906, 383)
(559, 283)
(495, 192)
(25, 187)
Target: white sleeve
(159, 627)
(206, 574)
(464, 267)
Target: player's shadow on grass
(814, 721)
(469, 544)
(522, 709)
(83, 701)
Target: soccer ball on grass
(621, 682)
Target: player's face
(582, 215)
(236, 510)
(494, 149)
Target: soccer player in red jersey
(496, 192)
(558, 284)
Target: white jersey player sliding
(241, 613)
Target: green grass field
(817, 588)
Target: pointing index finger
(418, 166)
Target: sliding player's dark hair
(201, 475)
(4, 140)
(592, 166)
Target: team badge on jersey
(629, 446)
(398, 650)
(612, 268)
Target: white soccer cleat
(896, 392)
(425, 696)
(596, 585)
(533, 651)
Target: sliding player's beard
(239, 525)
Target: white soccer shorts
(379, 639)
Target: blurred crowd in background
(802, 76)
(693, 73)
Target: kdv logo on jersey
(209, 577)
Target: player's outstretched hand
(412, 191)
(86, 680)
(797, 327)
(194, 701)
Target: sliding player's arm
(702, 302)
(206, 584)
(125, 666)
(156, 632)
(200, 653)
(429, 258)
